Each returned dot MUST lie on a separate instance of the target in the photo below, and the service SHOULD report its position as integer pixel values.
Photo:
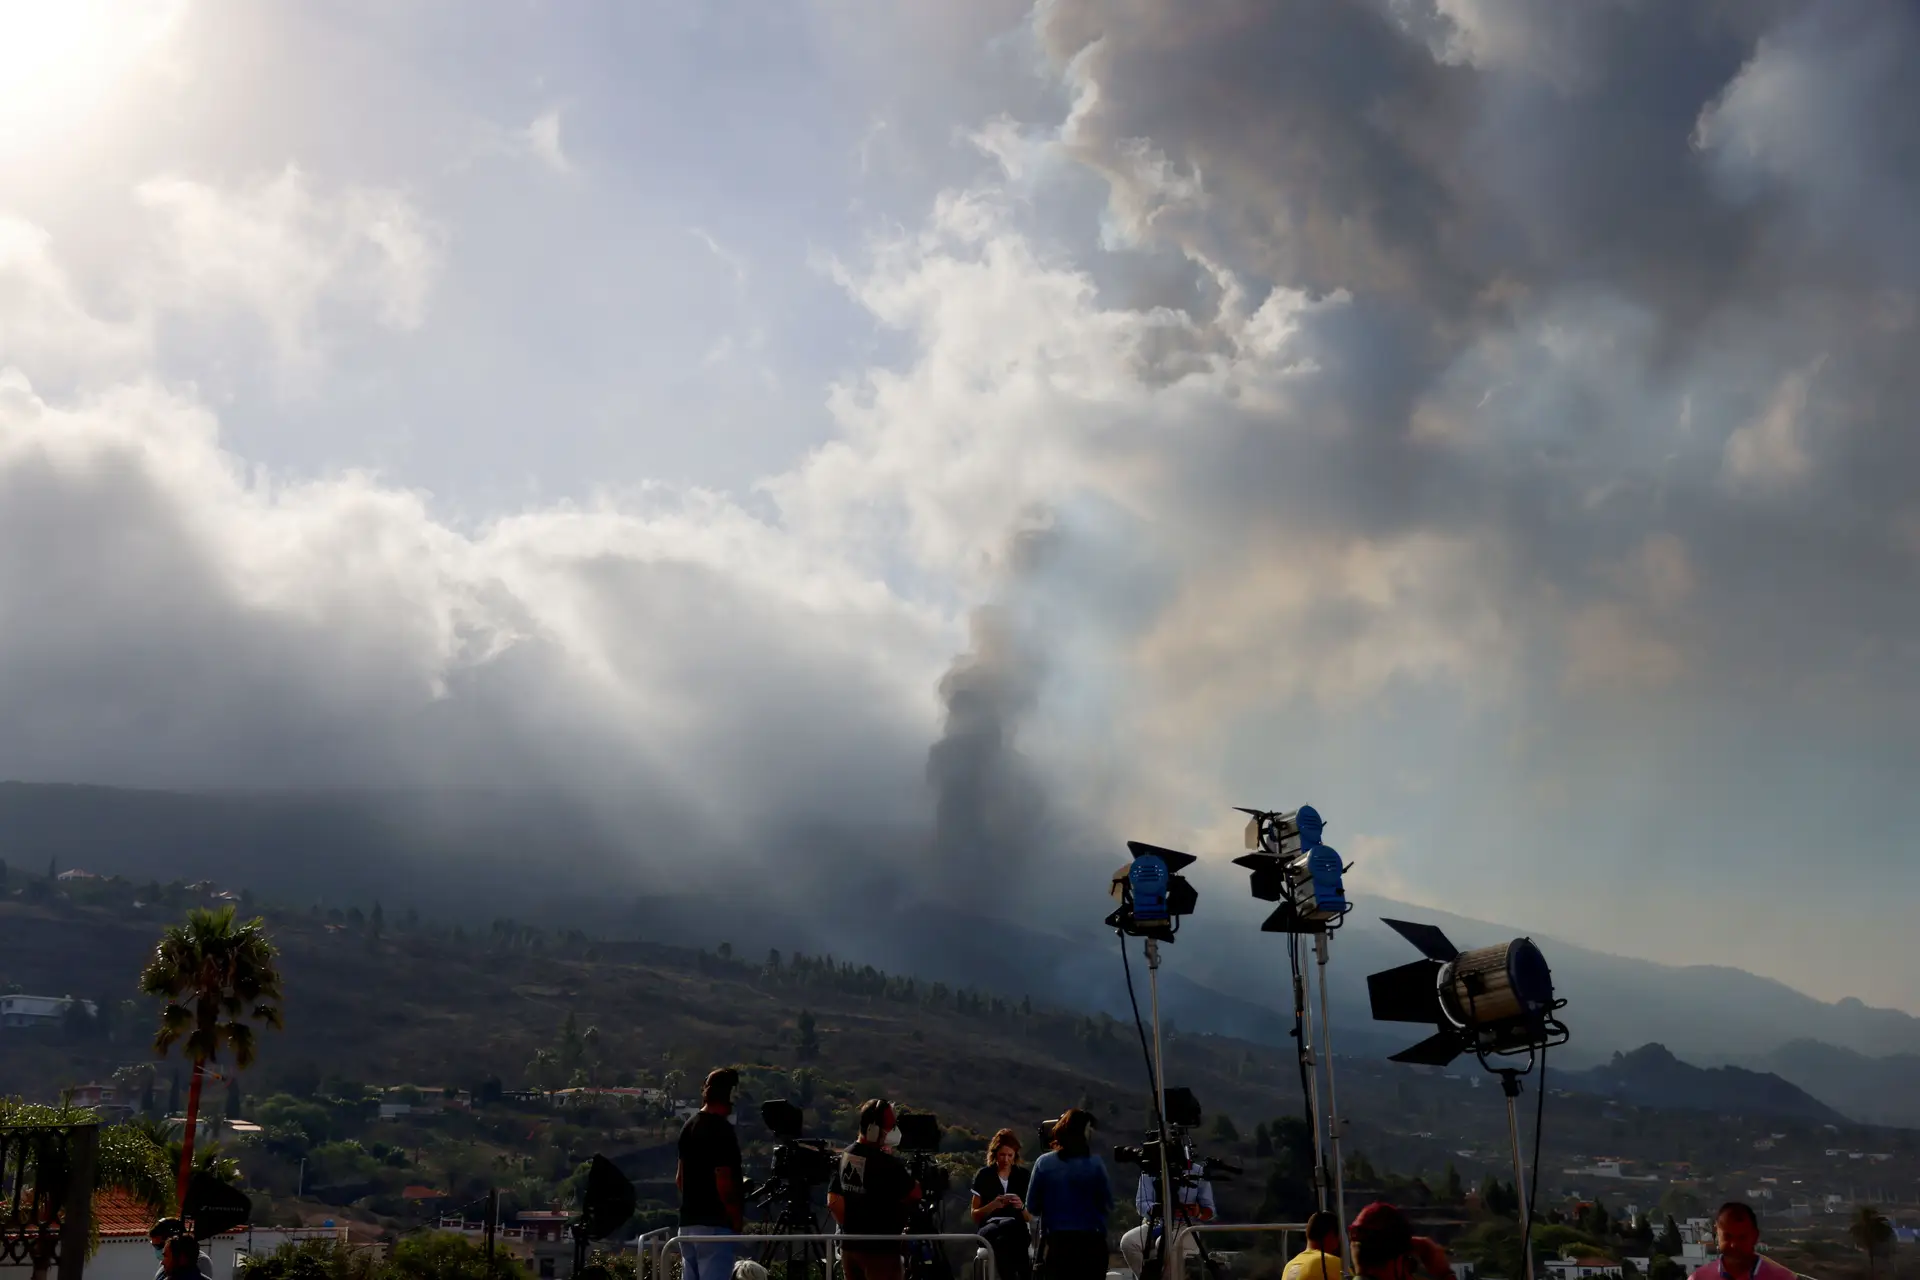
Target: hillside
(1651, 1076)
(460, 855)
(1878, 1090)
(402, 1001)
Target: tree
(1669, 1242)
(1452, 1190)
(726, 951)
(442, 1255)
(217, 976)
(126, 1158)
(809, 1036)
(1662, 1267)
(233, 1099)
(1223, 1129)
(173, 1095)
(1262, 1141)
(573, 1050)
(376, 922)
(1871, 1233)
(1289, 1191)
(1641, 1234)
(542, 1070)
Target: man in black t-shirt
(872, 1194)
(711, 1200)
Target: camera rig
(799, 1164)
(1173, 1149)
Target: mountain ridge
(466, 853)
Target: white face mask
(733, 1119)
(893, 1138)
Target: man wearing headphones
(872, 1194)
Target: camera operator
(1000, 1207)
(872, 1193)
(709, 1181)
(1196, 1205)
(1070, 1193)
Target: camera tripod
(795, 1259)
(926, 1259)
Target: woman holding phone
(1000, 1207)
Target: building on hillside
(126, 1254)
(93, 1095)
(1581, 1268)
(76, 874)
(545, 1231)
(40, 1011)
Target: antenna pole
(1333, 1106)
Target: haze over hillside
(481, 855)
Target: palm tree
(215, 975)
(1872, 1234)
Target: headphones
(877, 1133)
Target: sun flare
(59, 57)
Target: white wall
(131, 1258)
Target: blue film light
(1147, 879)
(1325, 870)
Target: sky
(1029, 426)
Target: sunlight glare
(59, 57)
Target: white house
(39, 1011)
(125, 1252)
(1582, 1268)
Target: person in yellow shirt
(1320, 1260)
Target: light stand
(1164, 1190)
(1510, 1085)
(1492, 1002)
(1292, 865)
(1310, 1067)
(1333, 1108)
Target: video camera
(1181, 1111)
(920, 1138)
(799, 1164)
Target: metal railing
(831, 1239)
(46, 1196)
(1180, 1233)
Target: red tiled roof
(119, 1214)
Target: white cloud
(542, 140)
(1770, 451)
(277, 249)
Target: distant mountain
(642, 872)
(1651, 1076)
(1876, 1090)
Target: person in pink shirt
(1737, 1231)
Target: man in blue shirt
(1069, 1193)
(1196, 1199)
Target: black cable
(1139, 1025)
